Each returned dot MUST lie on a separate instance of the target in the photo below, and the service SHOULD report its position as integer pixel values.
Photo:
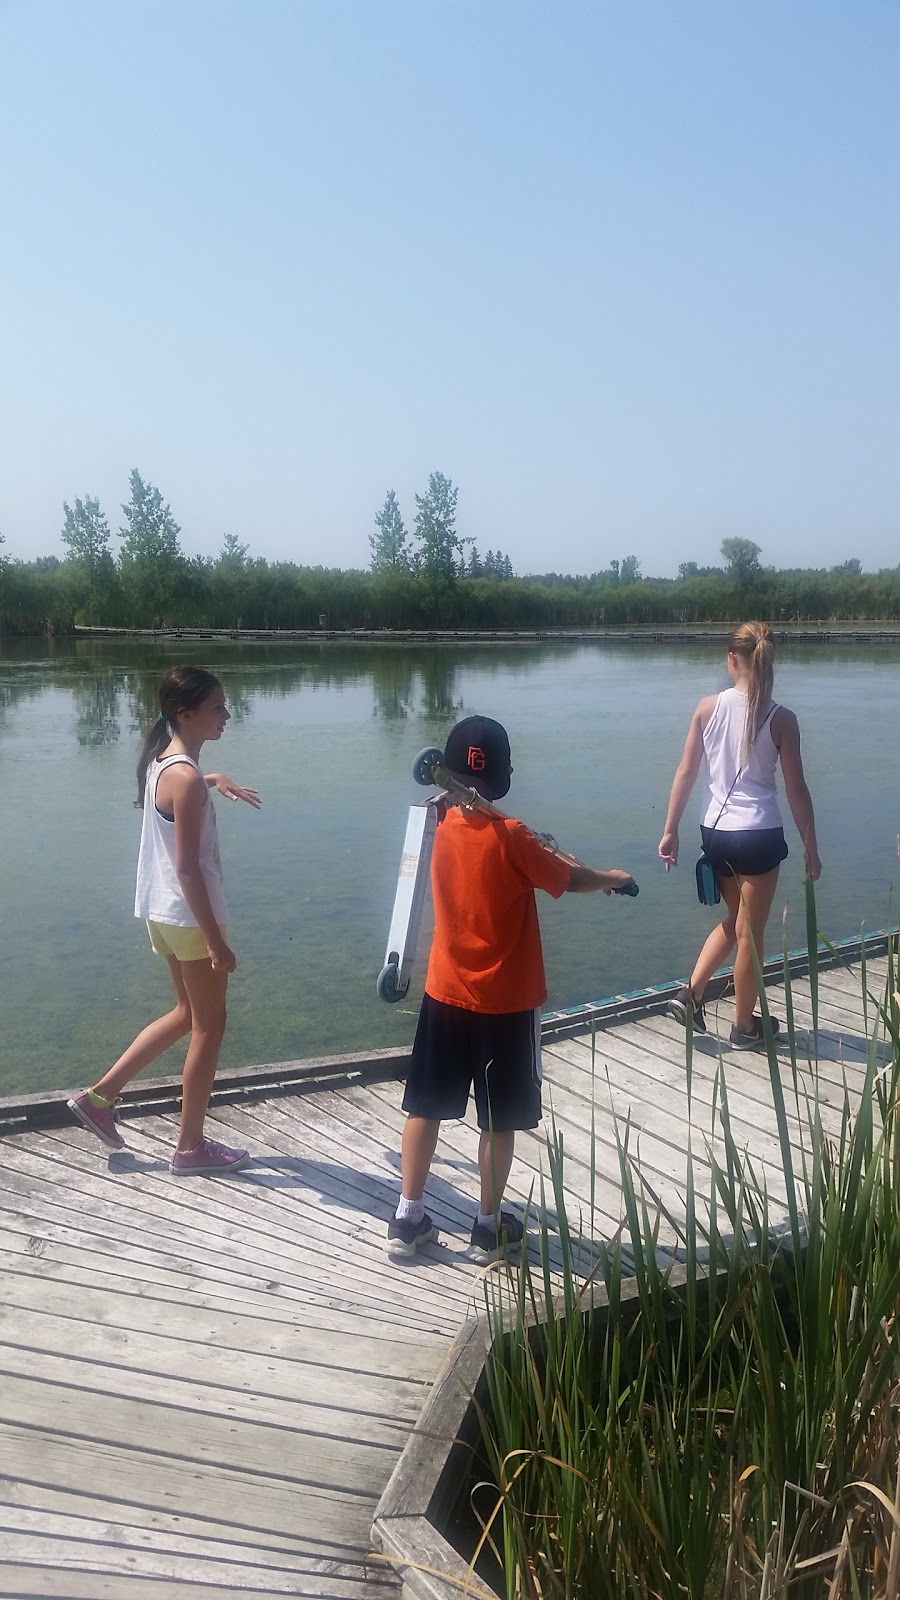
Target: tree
(150, 559)
(233, 554)
(86, 534)
(742, 556)
(439, 541)
(474, 568)
(388, 545)
(629, 570)
(848, 569)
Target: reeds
(731, 1426)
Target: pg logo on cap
(476, 760)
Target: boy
(480, 1017)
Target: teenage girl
(741, 735)
(179, 894)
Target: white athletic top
(159, 896)
(753, 802)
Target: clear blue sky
(628, 273)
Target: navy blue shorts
(455, 1048)
(746, 852)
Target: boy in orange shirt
(480, 1018)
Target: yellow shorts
(185, 944)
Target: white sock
(485, 1219)
(410, 1210)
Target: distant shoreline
(672, 633)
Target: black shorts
(501, 1054)
(747, 852)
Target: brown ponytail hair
(754, 643)
(182, 689)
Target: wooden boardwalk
(205, 1383)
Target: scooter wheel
(387, 986)
(424, 763)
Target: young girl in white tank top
(180, 896)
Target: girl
(179, 894)
(742, 734)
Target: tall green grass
(732, 1428)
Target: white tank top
(159, 896)
(753, 802)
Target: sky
(627, 273)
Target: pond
(327, 733)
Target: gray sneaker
(752, 1039)
(490, 1242)
(404, 1237)
(684, 1002)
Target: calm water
(327, 734)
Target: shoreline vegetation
(671, 633)
(427, 583)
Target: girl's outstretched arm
(684, 780)
(232, 790)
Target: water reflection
(96, 701)
(114, 682)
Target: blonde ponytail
(753, 642)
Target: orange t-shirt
(486, 955)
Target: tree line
(427, 577)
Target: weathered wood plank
(41, 1196)
(284, 1394)
(329, 1521)
(41, 1507)
(19, 1581)
(200, 1283)
(205, 1213)
(306, 1459)
(209, 1330)
(173, 1572)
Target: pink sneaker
(207, 1157)
(98, 1119)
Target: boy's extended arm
(586, 880)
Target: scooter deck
(409, 899)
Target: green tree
(629, 569)
(86, 535)
(742, 556)
(233, 554)
(388, 545)
(439, 541)
(150, 559)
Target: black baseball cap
(477, 753)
